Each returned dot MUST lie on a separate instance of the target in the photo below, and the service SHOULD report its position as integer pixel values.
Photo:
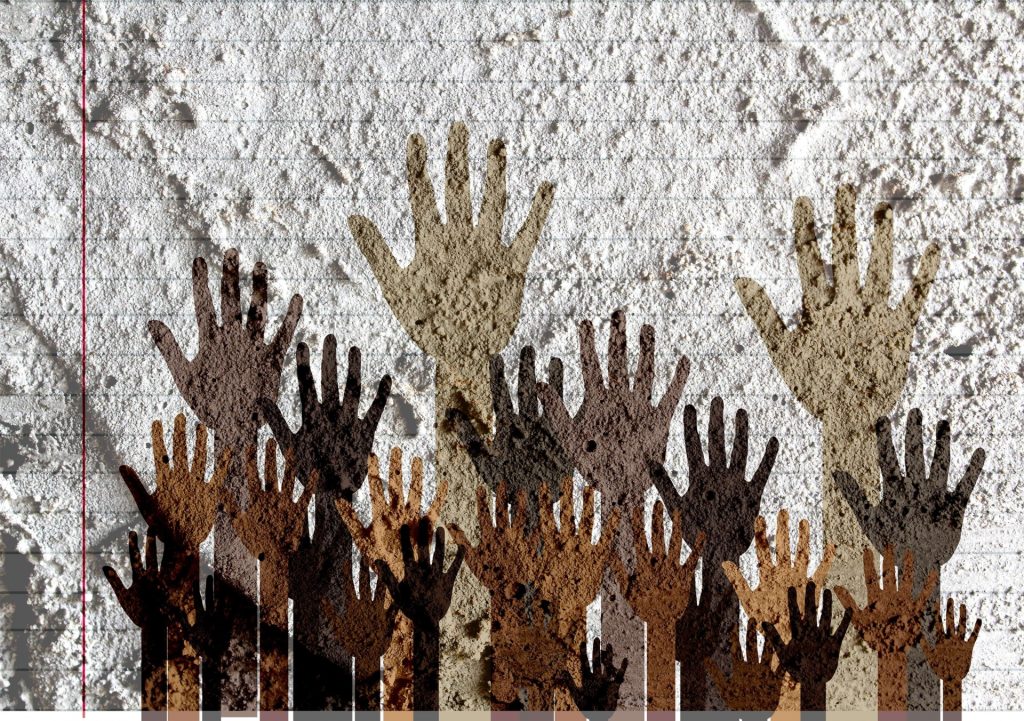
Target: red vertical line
(83, 329)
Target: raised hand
(271, 527)
(846, 362)
(811, 656)
(950, 655)
(597, 696)
(235, 366)
(658, 589)
(423, 595)
(182, 510)
(524, 452)
(890, 623)
(332, 440)
(755, 683)
(365, 632)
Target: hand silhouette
(950, 656)
(597, 696)
(423, 595)
(617, 431)
(658, 589)
(234, 367)
(182, 509)
(754, 686)
(811, 656)
(916, 511)
(365, 632)
(332, 439)
(524, 452)
(890, 623)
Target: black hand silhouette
(811, 656)
(597, 696)
(524, 453)
(332, 439)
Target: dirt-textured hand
(754, 685)
(768, 603)
(146, 600)
(811, 656)
(332, 440)
(182, 509)
(718, 501)
(950, 655)
(235, 366)
(916, 511)
(617, 430)
(524, 452)
(459, 299)
(849, 349)
(391, 511)
(598, 693)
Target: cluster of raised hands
(377, 597)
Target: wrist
(812, 696)
(892, 681)
(952, 696)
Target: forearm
(812, 696)
(182, 672)
(153, 647)
(892, 681)
(661, 668)
(952, 696)
(367, 684)
(426, 657)
(273, 647)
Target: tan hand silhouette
(182, 509)
(950, 655)
(755, 683)
(390, 511)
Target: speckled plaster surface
(677, 134)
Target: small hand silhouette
(524, 452)
(916, 511)
(332, 440)
(182, 509)
(597, 696)
(811, 656)
(950, 656)
(754, 686)
(617, 430)
(234, 367)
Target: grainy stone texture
(677, 135)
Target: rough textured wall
(678, 135)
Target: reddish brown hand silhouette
(755, 683)
(890, 623)
(598, 694)
(811, 656)
(950, 655)
(658, 589)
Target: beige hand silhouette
(846, 362)
(459, 300)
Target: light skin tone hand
(658, 589)
(949, 656)
(890, 623)
(755, 683)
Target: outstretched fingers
(529, 233)
(377, 253)
(762, 311)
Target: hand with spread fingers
(950, 654)
(755, 684)
(184, 506)
(524, 452)
(811, 655)
(890, 623)
(364, 630)
(423, 595)
(597, 695)
(235, 366)
(658, 589)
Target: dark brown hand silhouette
(365, 632)
(700, 631)
(271, 527)
(890, 623)
(950, 656)
(597, 696)
(754, 685)
(658, 589)
(524, 452)
(423, 595)
(811, 656)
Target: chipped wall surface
(678, 135)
